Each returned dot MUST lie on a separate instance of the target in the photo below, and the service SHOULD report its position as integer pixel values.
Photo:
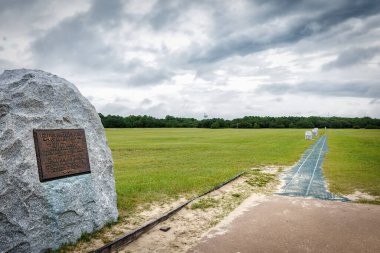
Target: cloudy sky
(186, 58)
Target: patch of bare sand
(357, 195)
(191, 223)
(142, 215)
(187, 226)
(281, 175)
(221, 228)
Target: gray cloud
(77, 42)
(106, 13)
(148, 76)
(165, 13)
(158, 110)
(242, 44)
(346, 89)
(114, 108)
(5, 64)
(72, 43)
(201, 56)
(146, 101)
(16, 5)
(352, 56)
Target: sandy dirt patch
(357, 195)
(191, 223)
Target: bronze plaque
(61, 153)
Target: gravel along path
(306, 177)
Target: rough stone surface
(35, 216)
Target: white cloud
(186, 58)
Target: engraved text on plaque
(61, 153)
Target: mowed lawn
(353, 161)
(153, 164)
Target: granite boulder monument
(56, 169)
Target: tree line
(115, 121)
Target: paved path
(293, 224)
(298, 224)
(306, 177)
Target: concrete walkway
(293, 224)
(308, 222)
(306, 177)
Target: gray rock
(35, 216)
(165, 229)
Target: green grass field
(152, 164)
(353, 161)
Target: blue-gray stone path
(306, 177)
